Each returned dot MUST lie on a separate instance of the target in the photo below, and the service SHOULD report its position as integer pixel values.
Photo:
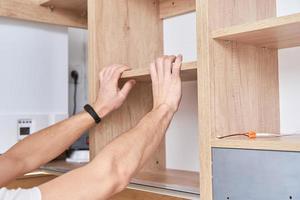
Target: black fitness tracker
(89, 109)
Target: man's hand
(166, 81)
(110, 96)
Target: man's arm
(113, 167)
(43, 146)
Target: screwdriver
(253, 135)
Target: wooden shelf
(184, 181)
(188, 73)
(79, 6)
(287, 143)
(61, 166)
(278, 32)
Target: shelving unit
(130, 45)
(128, 32)
(238, 77)
(236, 70)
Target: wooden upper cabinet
(32, 10)
(73, 13)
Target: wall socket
(79, 69)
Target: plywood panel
(131, 35)
(32, 11)
(238, 84)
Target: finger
(168, 62)
(101, 74)
(111, 70)
(177, 66)
(104, 72)
(159, 68)
(154, 79)
(153, 73)
(126, 88)
(118, 72)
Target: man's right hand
(166, 81)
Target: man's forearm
(111, 170)
(131, 150)
(45, 145)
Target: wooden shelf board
(184, 181)
(61, 166)
(188, 73)
(287, 143)
(278, 32)
(33, 11)
(79, 6)
(171, 8)
(179, 180)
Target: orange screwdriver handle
(251, 134)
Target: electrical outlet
(79, 70)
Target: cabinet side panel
(127, 32)
(205, 99)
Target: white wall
(78, 62)
(289, 73)
(33, 83)
(182, 147)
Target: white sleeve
(20, 194)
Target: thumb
(127, 87)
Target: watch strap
(89, 109)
